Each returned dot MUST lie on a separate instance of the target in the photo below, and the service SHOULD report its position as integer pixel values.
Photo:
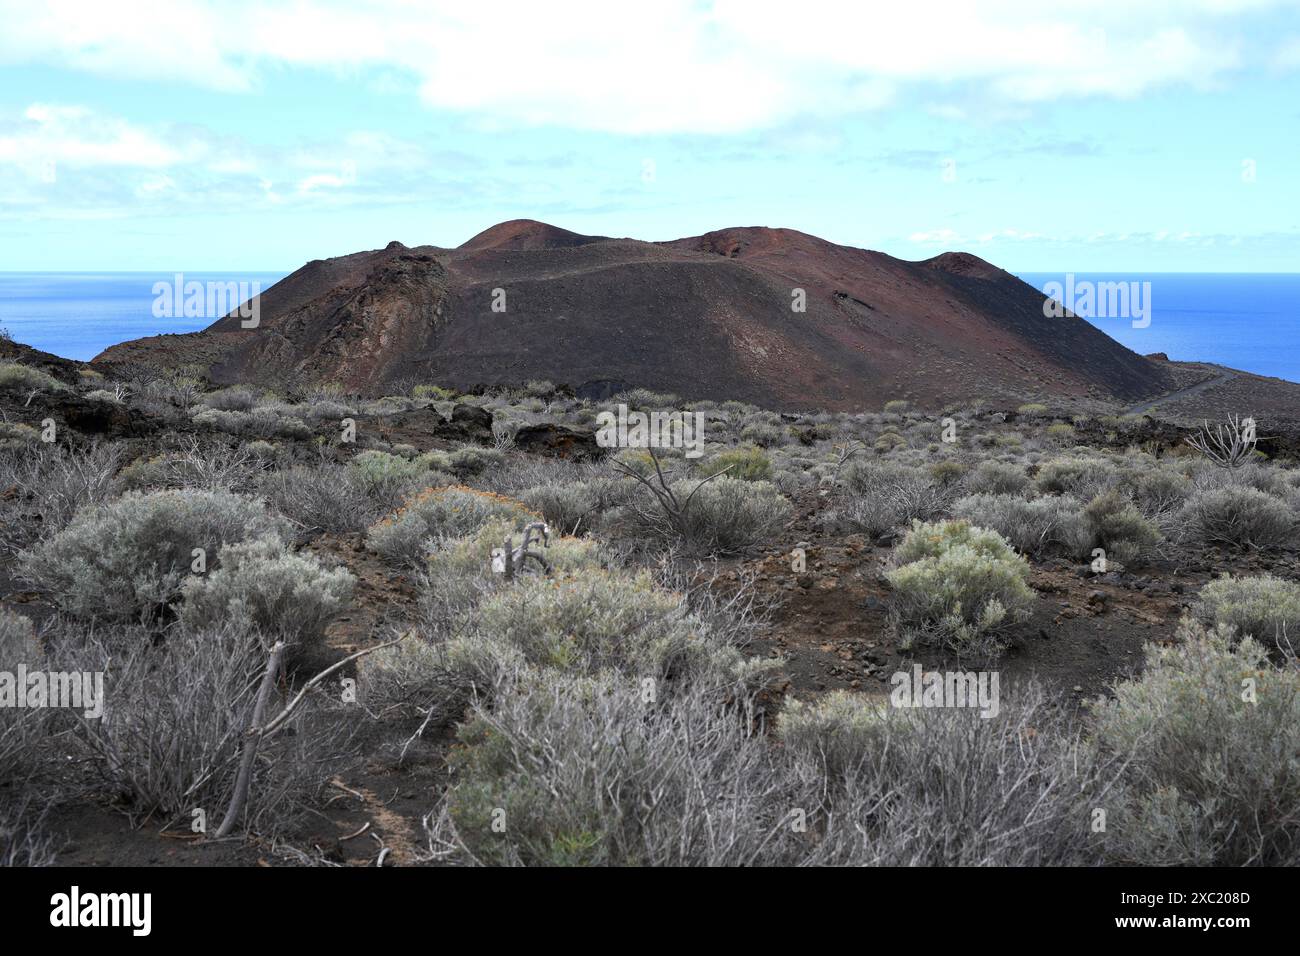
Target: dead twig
(254, 735)
(352, 836)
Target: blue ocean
(79, 314)
(1249, 321)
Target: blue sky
(1123, 136)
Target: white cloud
(154, 39)
(71, 162)
(669, 66)
(51, 136)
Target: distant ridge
(526, 234)
(710, 316)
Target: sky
(1106, 135)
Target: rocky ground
(829, 620)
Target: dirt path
(1226, 374)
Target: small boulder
(469, 423)
(558, 441)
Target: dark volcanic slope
(708, 316)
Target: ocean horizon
(1247, 321)
(77, 315)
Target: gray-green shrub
(25, 378)
(262, 585)
(1209, 736)
(944, 786)
(1236, 516)
(439, 513)
(728, 515)
(127, 558)
(593, 620)
(1032, 525)
(959, 584)
(887, 495)
(1083, 477)
(1264, 607)
(1119, 528)
(590, 771)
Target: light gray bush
(24, 747)
(340, 498)
(1236, 516)
(210, 466)
(945, 786)
(170, 736)
(571, 508)
(589, 772)
(1033, 526)
(127, 559)
(24, 378)
(1211, 773)
(263, 586)
(1119, 528)
(469, 460)
(327, 410)
(1085, 477)
(575, 507)
(960, 585)
(996, 478)
(1159, 492)
(887, 495)
(24, 838)
(593, 619)
(53, 483)
(237, 398)
(436, 514)
(722, 516)
(1264, 607)
(262, 421)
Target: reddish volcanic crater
(771, 316)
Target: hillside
(709, 316)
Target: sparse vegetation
(26, 379)
(622, 700)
